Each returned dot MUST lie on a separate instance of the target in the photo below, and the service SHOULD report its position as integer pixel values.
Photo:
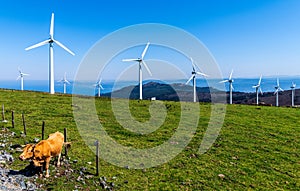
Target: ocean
(88, 88)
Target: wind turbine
(141, 62)
(65, 82)
(230, 81)
(193, 77)
(293, 93)
(50, 41)
(21, 78)
(258, 89)
(99, 86)
(277, 89)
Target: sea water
(88, 88)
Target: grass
(258, 147)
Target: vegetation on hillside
(258, 147)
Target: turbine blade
(131, 60)
(147, 67)
(280, 89)
(261, 92)
(277, 82)
(18, 77)
(52, 26)
(255, 86)
(145, 50)
(231, 74)
(26, 74)
(67, 82)
(259, 80)
(38, 44)
(63, 46)
(276, 92)
(193, 65)
(101, 87)
(223, 81)
(190, 79)
(202, 74)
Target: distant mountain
(182, 92)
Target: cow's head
(27, 152)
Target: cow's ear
(31, 148)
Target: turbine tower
(50, 41)
(21, 78)
(193, 77)
(258, 89)
(99, 87)
(141, 62)
(293, 93)
(230, 81)
(277, 89)
(65, 82)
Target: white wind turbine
(193, 77)
(50, 41)
(230, 81)
(277, 89)
(21, 76)
(140, 61)
(65, 82)
(99, 87)
(293, 93)
(258, 89)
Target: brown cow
(45, 149)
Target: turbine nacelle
(98, 84)
(21, 74)
(293, 86)
(258, 86)
(277, 88)
(194, 72)
(141, 59)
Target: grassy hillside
(258, 147)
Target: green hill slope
(258, 147)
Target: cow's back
(56, 141)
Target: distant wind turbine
(277, 89)
(230, 81)
(65, 82)
(293, 93)
(141, 62)
(258, 89)
(50, 41)
(99, 87)
(193, 77)
(20, 77)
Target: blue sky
(252, 37)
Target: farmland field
(258, 148)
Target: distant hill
(176, 92)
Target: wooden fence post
(12, 119)
(43, 130)
(97, 157)
(3, 114)
(65, 137)
(24, 123)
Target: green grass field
(258, 147)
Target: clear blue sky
(251, 36)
